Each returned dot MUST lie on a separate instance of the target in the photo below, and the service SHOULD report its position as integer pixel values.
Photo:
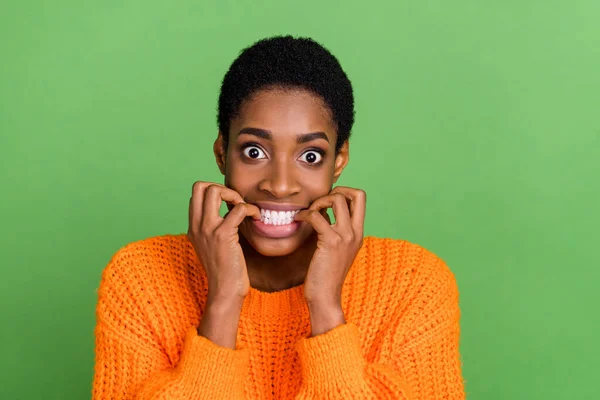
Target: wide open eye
(311, 157)
(254, 152)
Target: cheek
(237, 176)
(317, 184)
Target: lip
(275, 231)
(278, 206)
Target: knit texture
(400, 340)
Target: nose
(280, 181)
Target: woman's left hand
(337, 246)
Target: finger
(357, 199)
(242, 210)
(325, 215)
(338, 202)
(214, 195)
(195, 207)
(316, 220)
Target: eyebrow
(300, 138)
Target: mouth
(276, 220)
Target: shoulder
(395, 283)
(412, 275)
(143, 283)
(404, 283)
(400, 257)
(153, 261)
(147, 255)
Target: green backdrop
(477, 137)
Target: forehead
(285, 112)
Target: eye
(254, 152)
(312, 157)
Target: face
(281, 157)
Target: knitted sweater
(400, 339)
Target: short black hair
(288, 63)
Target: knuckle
(208, 189)
(198, 186)
(339, 197)
(212, 189)
(240, 207)
(313, 214)
(337, 240)
(315, 204)
(220, 234)
(205, 231)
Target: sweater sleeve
(130, 363)
(416, 365)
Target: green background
(477, 137)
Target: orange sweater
(400, 340)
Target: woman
(273, 300)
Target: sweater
(399, 341)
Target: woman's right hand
(216, 240)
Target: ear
(341, 160)
(220, 153)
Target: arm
(127, 369)
(418, 360)
(131, 364)
(130, 361)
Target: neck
(272, 274)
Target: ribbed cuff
(333, 360)
(213, 368)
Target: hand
(216, 240)
(337, 246)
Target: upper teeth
(277, 217)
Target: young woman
(273, 300)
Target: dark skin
(287, 157)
